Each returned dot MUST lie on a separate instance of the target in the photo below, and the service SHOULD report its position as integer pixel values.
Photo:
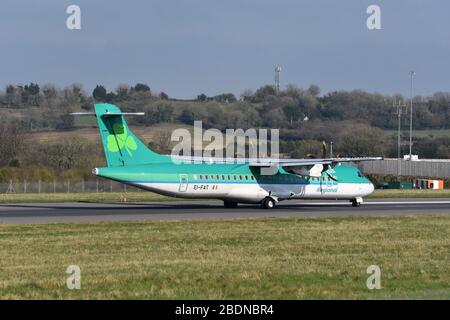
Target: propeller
(332, 178)
(325, 169)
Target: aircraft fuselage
(240, 182)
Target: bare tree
(11, 142)
(161, 141)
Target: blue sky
(186, 47)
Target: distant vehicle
(129, 161)
(414, 157)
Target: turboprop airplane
(131, 162)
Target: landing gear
(268, 203)
(230, 204)
(356, 202)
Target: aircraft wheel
(355, 203)
(268, 203)
(230, 204)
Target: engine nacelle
(312, 171)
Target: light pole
(412, 74)
(399, 112)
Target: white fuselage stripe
(254, 192)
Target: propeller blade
(332, 178)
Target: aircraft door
(183, 182)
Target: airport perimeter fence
(423, 168)
(67, 186)
(432, 168)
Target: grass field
(86, 128)
(82, 197)
(438, 133)
(410, 193)
(91, 133)
(279, 258)
(149, 196)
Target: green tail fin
(121, 146)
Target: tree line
(357, 122)
(287, 109)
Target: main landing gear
(356, 202)
(268, 203)
(230, 204)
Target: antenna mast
(277, 79)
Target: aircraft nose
(371, 187)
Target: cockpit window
(360, 174)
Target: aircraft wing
(268, 162)
(307, 162)
(307, 167)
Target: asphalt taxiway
(182, 210)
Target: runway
(185, 210)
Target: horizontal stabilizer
(106, 114)
(82, 114)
